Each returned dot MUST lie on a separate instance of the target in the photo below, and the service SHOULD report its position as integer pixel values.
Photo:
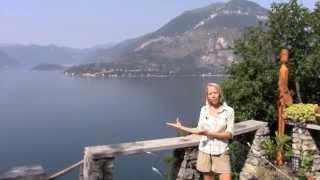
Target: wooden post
(97, 169)
(81, 172)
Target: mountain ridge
(197, 39)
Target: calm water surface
(48, 118)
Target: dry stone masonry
(188, 165)
(249, 169)
(303, 142)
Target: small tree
(252, 88)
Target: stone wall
(303, 142)
(249, 169)
(188, 165)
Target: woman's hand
(176, 125)
(179, 126)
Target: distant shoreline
(48, 67)
(131, 76)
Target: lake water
(48, 118)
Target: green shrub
(272, 145)
(304, 113)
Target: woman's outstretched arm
(179, 126)
(225, 135)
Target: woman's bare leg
(225, 176)
(208, 176)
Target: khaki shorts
(207, 163)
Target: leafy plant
(301, 113)
(238, 153)
(272, 145)
(283, 142)
(269, 146)
(306, 162)
(173, 162)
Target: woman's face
(213, 95)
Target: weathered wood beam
(98, 160)
(304, 125)
(138, 147)
(65, 171)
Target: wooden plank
(66, 170)
(139, 147)
(313, 126)
(248, 126)
(304, 125)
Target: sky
(86, 23)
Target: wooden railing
(98, 160)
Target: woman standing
(216, 125)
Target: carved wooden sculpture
(285, 98)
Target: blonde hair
(217, 87)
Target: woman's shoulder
(228, 108)
(204, 109)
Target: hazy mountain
(6, 61)
(48, 67)
(199, 38)
(30, 55)
(104, 46)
